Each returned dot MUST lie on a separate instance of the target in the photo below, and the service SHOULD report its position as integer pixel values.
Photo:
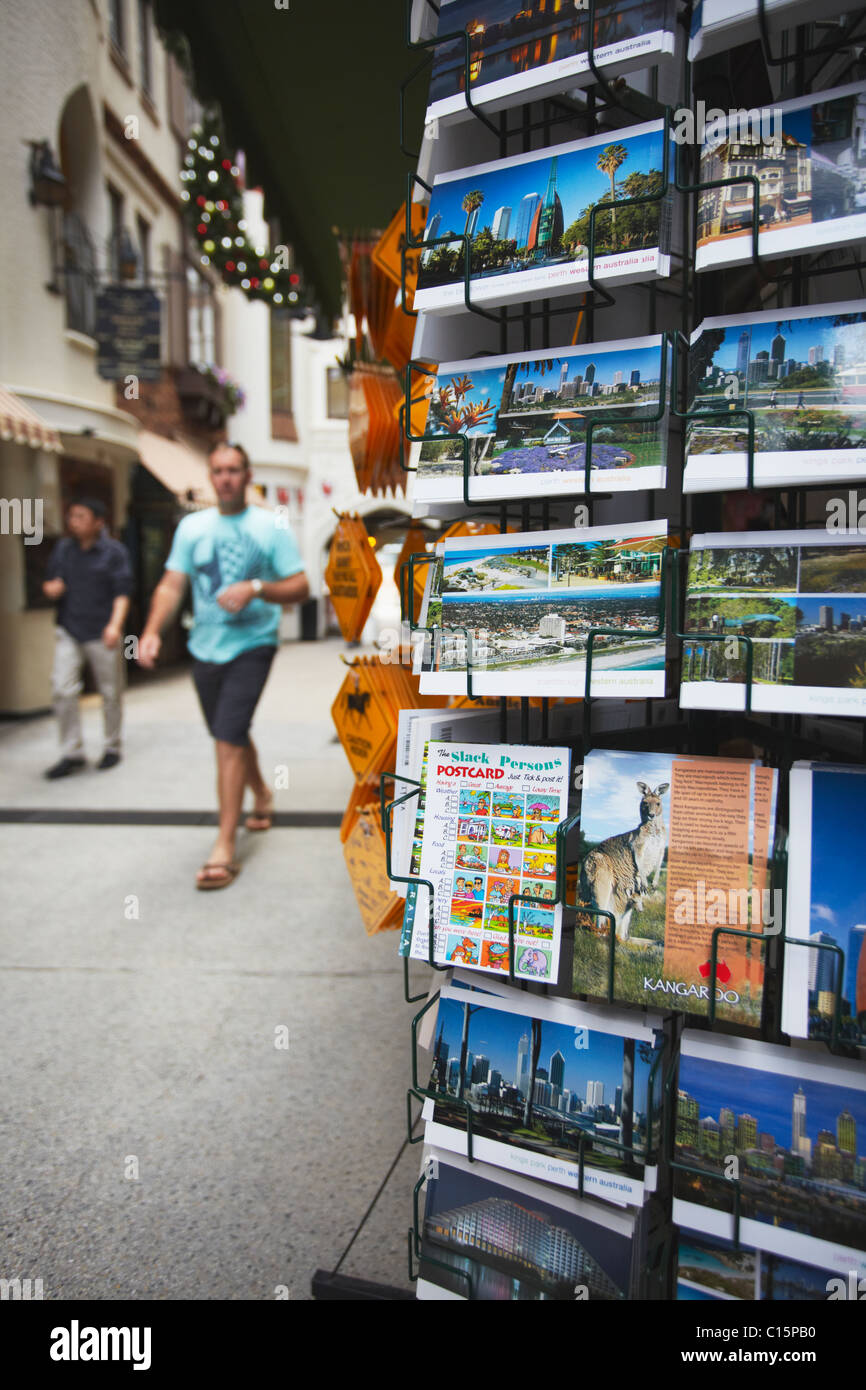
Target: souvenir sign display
(543, 248)
(353, 576)
(802, 375)
(364, 852)
(527, 603)
(826, 904)
(800, 596)
(520, 422)
(810, 162)
(795, 1126)
(498, 1237)
(545, 1081)
(675, 847)
(521, 54)
(366, 711)
(501, 803)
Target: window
(338, 394)
(143, 249)
(200, 318)
(116, 24)
(144, 47)
(282, 421)
(115, 230)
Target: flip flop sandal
(266, 816)
(230, 871)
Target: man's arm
(54, 586)
(283, 591)
(166, 600)
(113, 630)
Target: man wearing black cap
(90, 575)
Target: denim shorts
(229, 692)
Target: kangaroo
(617, 873)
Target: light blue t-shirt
(215, 551)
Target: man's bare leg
(263, 799)
(231, 780)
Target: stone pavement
(146, 1044)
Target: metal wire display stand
(781, 736)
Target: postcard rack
(678, 302)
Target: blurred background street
(152, 1038)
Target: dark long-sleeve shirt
(94, 578)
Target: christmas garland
(214, 212)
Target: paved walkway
(157, 1143)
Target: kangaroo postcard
(673, 850)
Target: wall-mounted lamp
(47, 184)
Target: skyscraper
(548, 223)
(777, 354)
(822, 964)
(634, 377)
(521, 1080)
(501, 223)
(595, 1093)
(431, 231)
(747, 1131)
(589, 378)
(846, 1133)
(816, 355)
(529, 205)
(557, 1069)
(472, 224)
(799, 1139)
(743, 353)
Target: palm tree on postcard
(611, 157)
(472, 200)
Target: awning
(179, 467)
(22, 425)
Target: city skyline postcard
(808, 635)
(528, 602)
(497, 1236)
(515, 418)
(790, 1131)
(826, 904)
(556, 1080)
(673, 847)
(527, 220)
(810, 161)
(802, 375)
(520, 54)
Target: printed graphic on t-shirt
(231, 558)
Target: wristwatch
(257, 585)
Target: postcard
(527, 603)
(787, 1126)
(545, 1079)
(542, 247)
(492, 1235)
(715, 1270)
(520, 422)
(718, 25)
(800, 597)
(674, 847)
(809, 158)
(802, 375)
(826, 904)
(522, 54)
(470, 909)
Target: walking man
(244, 567)
(91, 577)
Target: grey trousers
(67, 685)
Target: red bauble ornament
(255, 283)
(227, 164)
(201, 228)
(201, 200)
(230, 265)
(294, 279)
(264, 263)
